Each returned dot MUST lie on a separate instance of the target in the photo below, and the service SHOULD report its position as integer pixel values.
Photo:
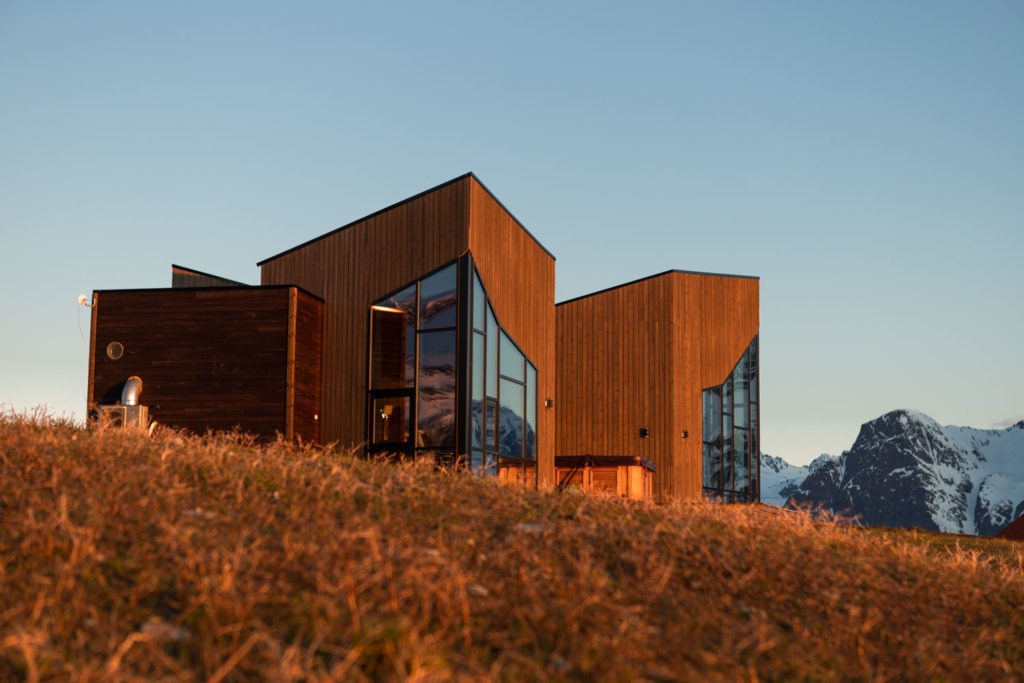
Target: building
(429, 329)
(665, 368)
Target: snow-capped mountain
(906, 470)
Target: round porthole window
(115, 350)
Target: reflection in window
(531, 413)
(511, 421)
(437, 299)
(511, 359)
(731, 452)
(435, 407)
(477, 373)
(419, 402)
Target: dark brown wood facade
(213, 358)
(354, 266)
(637, 357)
(189, 277)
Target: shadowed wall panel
(519, 276)
(208, 358)
(640, 355)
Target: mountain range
(907, 470)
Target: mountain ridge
(906, 470)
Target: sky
(864, 159)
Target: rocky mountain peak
(904, 469)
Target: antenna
(83, 300)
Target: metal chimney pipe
(132, 390)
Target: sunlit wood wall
(638, 357)
(519, 276)
(359, 263)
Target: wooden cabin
(428, 329)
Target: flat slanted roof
(460, 178)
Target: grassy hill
(172, 558)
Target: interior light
(387, 309)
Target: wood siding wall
(186, 277)
(719, 318)
(519, 276)
(356, 265)
(306, 354)
(614, 376)
(209, 358)
(639, 356)
(351, 268)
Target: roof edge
(652, 277)
(511, 215)
(414, 197)
(210, 275)
(210, 288)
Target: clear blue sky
(865, 159)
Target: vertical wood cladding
(354, 266)
(639, 356)
(211, 358)
(357, 264)
(519, 276)
(308, 341)
(187, 277)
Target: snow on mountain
(777, 475)
(906, 470)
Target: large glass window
(731, 451)
(445, 378)
(435, 406)
(393, 342)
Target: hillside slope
(185, 559)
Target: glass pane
(390, 420)
(753, 371)
(492, 353)
(437, 298)
(491, 423)
(479, 303)
(393, 346)
(511, 419)
(531, 412)
(436, 404)
(712, 415)
(739, 383)
(477, 369)
(490, 465)
(755, 454)
(476, 462)
(740, 470)
(712, 428)
(511, 359)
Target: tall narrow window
(731, 426)
(430, 396)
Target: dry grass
(185, 559)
